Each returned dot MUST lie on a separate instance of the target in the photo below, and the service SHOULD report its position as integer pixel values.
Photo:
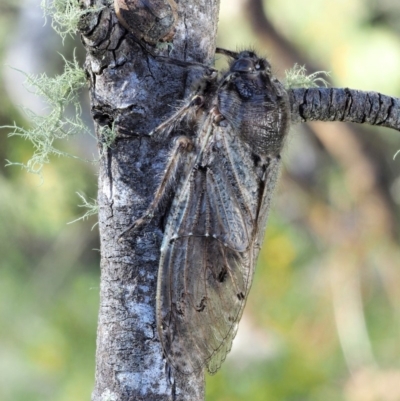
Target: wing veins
(238, 186)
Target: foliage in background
(49, 275)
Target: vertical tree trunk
(132, 92)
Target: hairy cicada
(222, 171)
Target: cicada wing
(271, 177)
(200, 302)
(204, 275)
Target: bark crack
(349, 101)
(110, 178)
(303, 105)
(366, 109)
(185, 48)
(389, 110)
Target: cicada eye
(263, 65)
(214, 74)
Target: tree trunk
(131, 93)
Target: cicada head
(255, 103)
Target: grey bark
(132, 92)
(337, 104)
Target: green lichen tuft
(92, 209)
(59, 92)
(107, 137)
(297, 77)
(66, 14)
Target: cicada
(222, 171)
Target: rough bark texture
(132, 92)
(337, 104)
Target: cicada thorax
(255, 104)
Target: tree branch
(337, 104)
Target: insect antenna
(227, 53)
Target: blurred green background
(322, 319)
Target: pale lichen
(66, 14)
(92, 209)
(59, 92)
(107, 137)
(297, 77)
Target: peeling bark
(132, 92)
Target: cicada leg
(182, 146)
(185, 112)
